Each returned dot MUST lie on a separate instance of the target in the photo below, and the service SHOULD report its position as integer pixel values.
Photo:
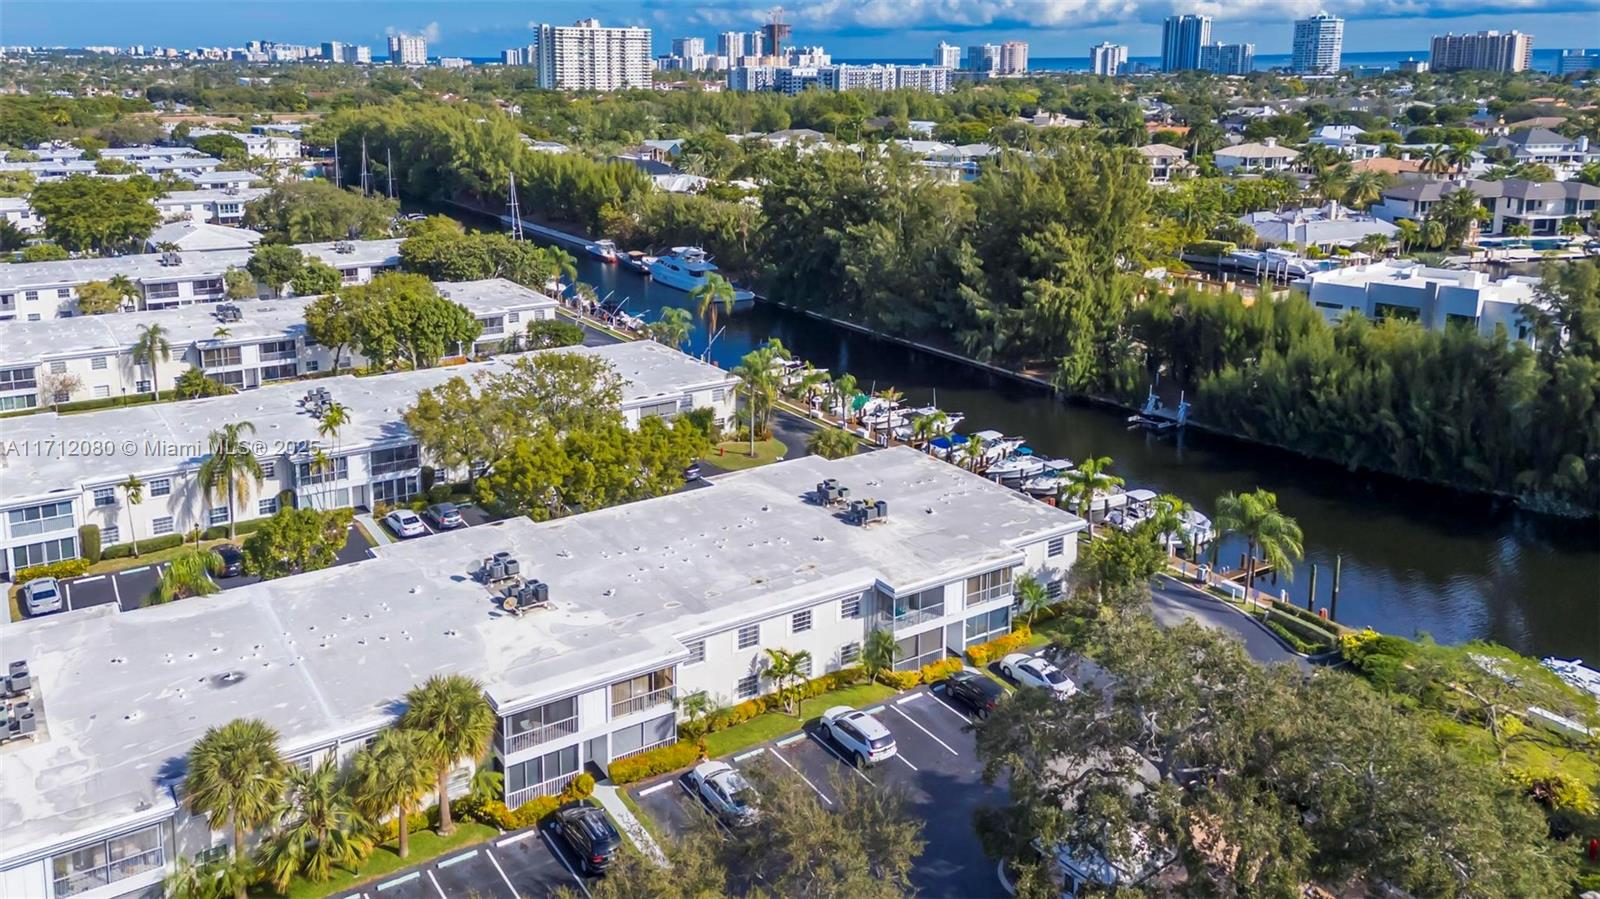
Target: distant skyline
(848, 28)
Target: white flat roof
(212, 195)
(164, 437)
(328, 654)
(194, 264)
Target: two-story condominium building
(1541, 146)
(1265, 156)
(647, 604)
(60, 472)
(18, 212)
(1541, 205)
(1436, 297)
(255, 343)
(216, 205)
(31, 291)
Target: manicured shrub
(155, 544)
(117, 551)
(89, 542)
(439, 493)
(901, 680)
(63, 569)
(426, 477)
(981, 655)
(653, 762)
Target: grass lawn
(386, 859)
(734, 455)
(765, 727)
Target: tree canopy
(84, 213)
(312, 211)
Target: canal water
(1415, 560)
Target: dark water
(1415, 560)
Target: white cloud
(429, 32)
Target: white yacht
(604, 249)
(1014, 468)
(685, 268)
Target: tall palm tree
(235, 778)
(1435, 160)
(1091, 478)
(1032, 597)
(878, 652)
(1373, 244)
(334, 418)
(124, 286)
(230, 466)
(319, 828)
(1255, 517)
(831, 443)
(560, 263)
(1327, 183)
(133, 489)
(392, 775)
(759, 374)
(1460, 156)
(714, 291)
(1459, 211)
(1363, 189)
(1169, 516)
(926, 427)
(189, 574)
(1434, 233)
(151, 348)
(785, 667)
(844, 388)
(451, 710)
(1409, 233)
(972, 452)
(671, 327)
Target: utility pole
(516, 210)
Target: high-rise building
(947, 55)
(1181, 40)
(932, 79)
(1318, 42)
(1412, 66)
(511, 57)
(1577, 61)
(775, 34)
(1014, 58)
(1228, 59)
(983, 59)
(587, 57)
(750, 78)
(686, 47)
(1491, 50)
(333, 51)
(1107, 58)
(408, 50)
(731, 44)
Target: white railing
(531, 738)
(641, 702)
(633, 752)
(550, 787)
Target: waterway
(1414, 559)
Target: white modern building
(281, 147)
(1344, 138)
(1181, 40)
(408, 50)
(1436, 297)
(1489, 50)
(246, 345)
(587, 57)
(947, 56)
(983, 60)
(1318, 44)
(648, 603)
(1265, 156)
(1108, 59)
(19, 213)
(31, 291)
(1324, 227)
(928, 79)
(45, 497)
(1566, 156)
(1544, 206)
(1014, 58)
(216, 205)
(1573, 62)
(1165, 162)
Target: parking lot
(936, 767)
(530, 864)
(471, 516)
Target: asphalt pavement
(1173, 602)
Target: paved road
(1173, 603)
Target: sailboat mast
(516, 210)
(388, 155)
(365, 175)
(338, 176)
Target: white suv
(863, 737)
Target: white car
(405, 523)
(1032, 671)
(725, 790)
(41, 596)
(864, 738)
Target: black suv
(590, 834)
(232, 560)
(979, 691)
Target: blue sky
(849, 28)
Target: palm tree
(972, 453)
(926, 427)
(785, 666)
(451, 710)
(878, 653)
(334, 417)
(230, 466)
(1460, 156)
(221, 332)
(319, 827)
(1255, 517)
(150, 348)
(1435, 160)
(672, 326)
(758, 372)
(1409, 233)
(710, 293)
(235, 777)
(844, 388)
(1433, 233)
(1091, 478)
(1373, 244)
(1363, 189)
(1519, 229)
(1169, 516)
(831, 443)
(391, 775)
(1459, 212)
(133, 488)
(189, 574)
(1571, 227)
(124, 286)
(560, 262)
(696, 711)
(1032, 597)
(1327, 183)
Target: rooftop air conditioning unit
(344, 246)
(522, 598)
(18, 680)
(171, 258)
(831, 491)
(864, 512)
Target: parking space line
(502, 871)
(134, 570)
(802, 777)
(925, 730)
(87, 580)
(562, 858)
(791, 739)
(908, 763)
(116, 592)
(751, 754)
(399, 880)
(516, 838)
(67, 589)
(905, 699)
(952, 708)
(436, 888)
(848, 764)
(658, 787)
(459, 858)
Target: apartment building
(19, 214)
(1318, 44)
(1228, 59)
(45, 496)
(1182, 38)
(281, 147)
(1489, 50)
(1014, 58)
(217, 205)
(408, 50)
(1108, 59)
(586, 57)
(32, 291)
(648, 603)
(243, 345)
(182, 165)
(1435, 297)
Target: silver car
(41, 596)
(726, 791)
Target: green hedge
(1303, 632)
(63, 569)
(91, 405)
(652, 762)
(147, 545)
(494, 813)
(89, 542)
(750, 708)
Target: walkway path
(1173, 602)
(610, 798)
(372, 527)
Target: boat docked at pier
(637, 261)
(604, 250)
(686, 268)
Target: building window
(663, 410)
(161, 291)
(58, 367)
(1053, 589)
(281, 372)
(985, 587)
(639, 693)
(102, 392)
(637, 738)
(267, 506)
(105, 496)
(986, 626)
(849, 653)
(748, 686)
(800, 622)
(62, 396)
(804, 667)
(43, 553)
(110, 534)
(40, 519)
(924, 605)
(1056, 546)
(920, 649)
(395, 490)
(18, 379)
(337, 469)
(514, 317)
(98, 363)
(542, 724)
(269, 469)
(697, 653)
(849, 608)
(162, 525)
(548, 772)
(218, 358)
(142, 386)
(110, 861)
(160, 486)
(217, 515)
(749, 636)
(395, 458)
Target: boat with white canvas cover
(686, 268)
(1017, 467)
